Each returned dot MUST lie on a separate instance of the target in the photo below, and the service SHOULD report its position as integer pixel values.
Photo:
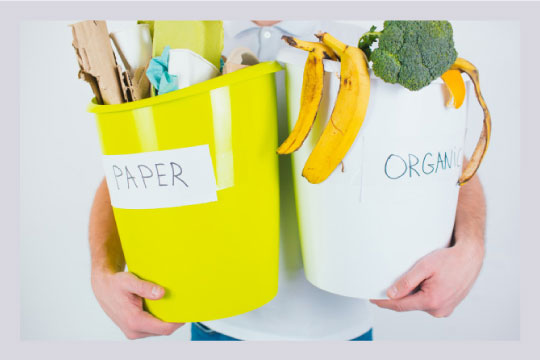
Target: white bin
(393, 200)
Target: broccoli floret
(411, 53)
(386, 66)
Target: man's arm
(105, 249)
(120, 293)
(470, 226)
(445, 276)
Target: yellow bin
(216, 258)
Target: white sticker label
(406, 166)
(161, 179)
(415, 160)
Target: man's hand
(442, 279)
(120, 293)
(121, 297)
(445, 277)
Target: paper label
(161, 179)
(405, 166)
(413, 165)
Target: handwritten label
(398, 166)
(401, 168)
(161, 179)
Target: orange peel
(456, 86)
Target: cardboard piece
(96, 60)
(239, 58)
(126, 84)
(141, 84)
(134, 87)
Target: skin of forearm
(470, 222)
(105, 247)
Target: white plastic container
(394, 199)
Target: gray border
(12, 13)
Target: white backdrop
(61, 168)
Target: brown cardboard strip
(141, 84)
(97, 62)
(136, 87)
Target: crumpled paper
(158, 73)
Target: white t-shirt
(300, 311)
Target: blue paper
(221, 64)
(158, 74)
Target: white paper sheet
(161, 179)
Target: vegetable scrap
(410, 53)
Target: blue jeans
(200, 332)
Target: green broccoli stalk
(367, 40)
(410, 53)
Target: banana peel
(472, 166)
(348, 113)
(312, 89)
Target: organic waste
(348, 113)
(456, 87)
(409, 53)
(312, 88)
(349, 110)
(465, 66)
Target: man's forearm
(105, 247)
(471, 215)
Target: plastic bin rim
(215, 83)
(298, 57)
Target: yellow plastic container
(216, 259)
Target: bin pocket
(161, 179)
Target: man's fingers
(140, 323)
(415, 301)
(142, 288)
(147, 323)
(410, 281)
